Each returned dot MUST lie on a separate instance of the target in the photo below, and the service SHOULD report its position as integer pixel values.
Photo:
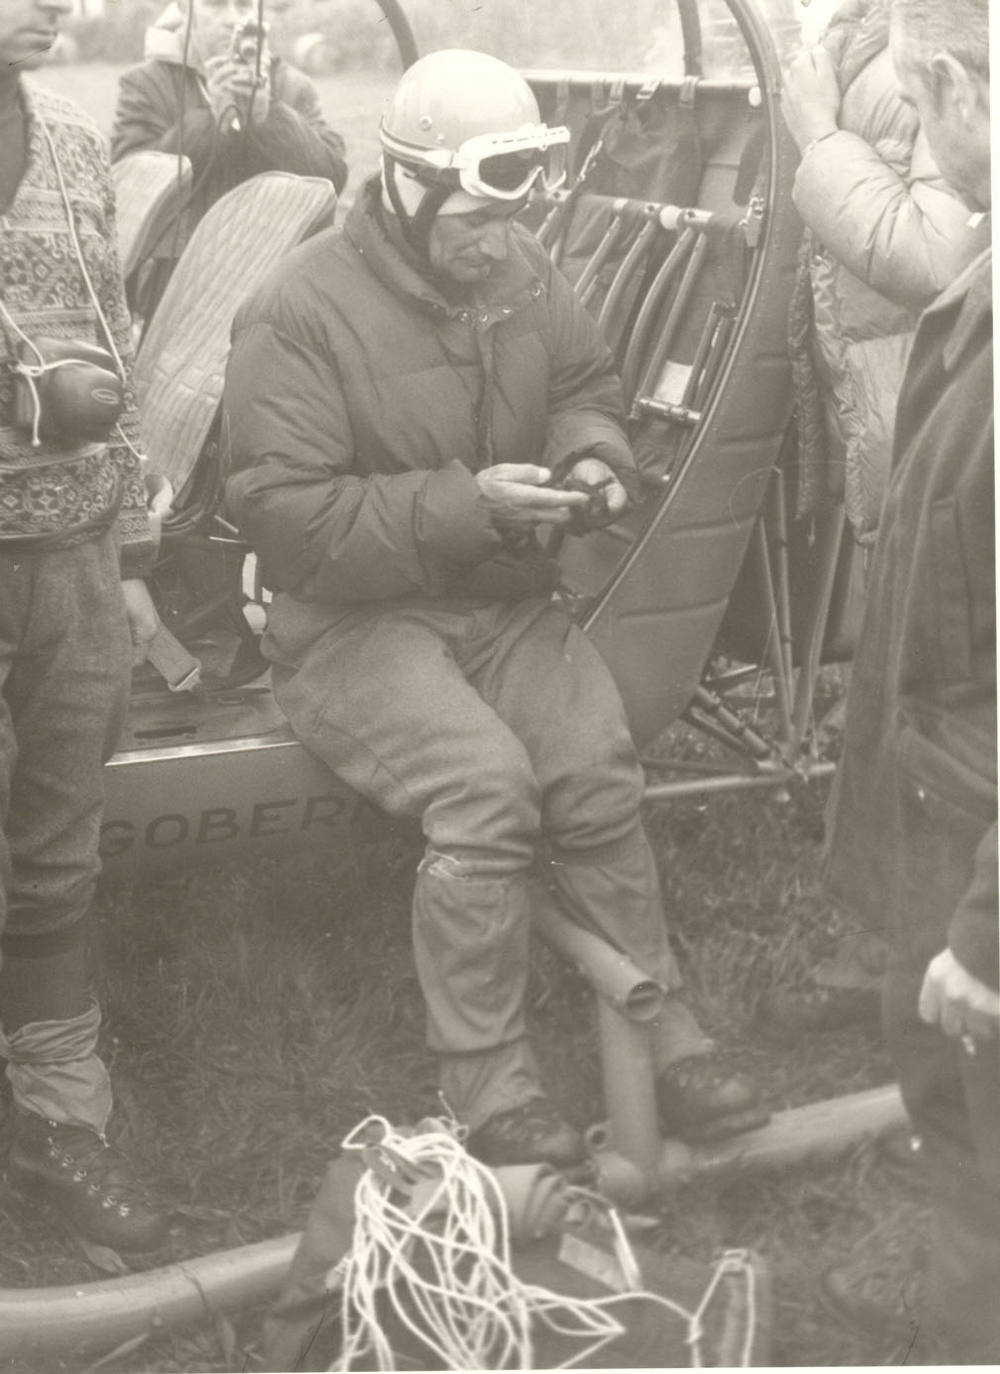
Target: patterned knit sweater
(50, 490)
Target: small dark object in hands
(596, 513)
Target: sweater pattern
(50, 489)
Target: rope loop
(431, 1243)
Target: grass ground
(255, 1014)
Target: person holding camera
(75, 544)
(211, 90)
(413, 405)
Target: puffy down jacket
(884, 236)
(360, 402)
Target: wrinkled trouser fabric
(64, 674)
(497, 724)
(953, 1099)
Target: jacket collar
(510, 287)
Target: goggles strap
(416, 229)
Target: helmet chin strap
(416, 229)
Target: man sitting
(400, 400)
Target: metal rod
(667, 410)
(706, 343)
(783, 576)
(610, 973)
(92, 1316)
(678, 305)
(829, 556)
(738, 782)
(585, 81)
(744, 734)
(629, 1081)
(662, 283)
(587, 281)
(622, 278)
(774, 649)
(701, 720)
(673, 218)
(819, 1131)
(734, 678)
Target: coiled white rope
(451, 1282)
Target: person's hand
(952, 998)
(810, 96)
(516, 497)
(594, 472)
(143, 621)
(230, 84)
(159, 492)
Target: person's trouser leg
(549, 683)
(382, 698)
(493, 724)
(64, 660)
(953, 1099)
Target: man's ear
(954, 88)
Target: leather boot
(700, 1099)
(88, 1183)
(533, 1133)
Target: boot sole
(738, 1123)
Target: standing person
(197, 93)
(74, 545)
(884, 233)
(913, 834)
(444, 375)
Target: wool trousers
(64, 674)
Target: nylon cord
(447, 1276)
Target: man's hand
(143, 622)
(516, 496)
(810, 96)
(230, 84)
(593, 472)
(952, 998)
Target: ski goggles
(498, 166)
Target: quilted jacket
(884, 236)
(360, 401)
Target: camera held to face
(249, 39)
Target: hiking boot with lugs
(533, 1133)
(88, 1182)
(700, 1099)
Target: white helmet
(464, 121)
